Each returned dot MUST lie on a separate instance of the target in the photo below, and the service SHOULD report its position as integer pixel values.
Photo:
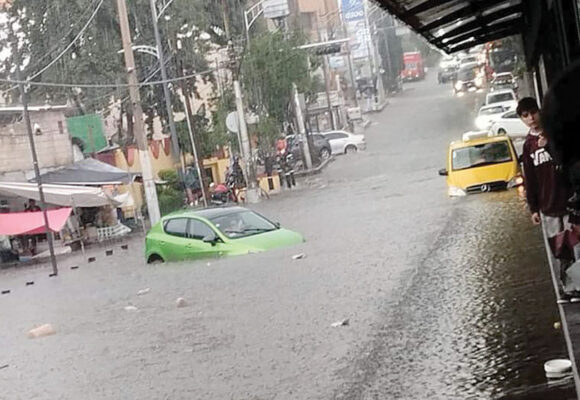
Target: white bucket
(557, 368)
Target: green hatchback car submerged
(214, 232)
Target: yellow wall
(164, 161)
(218, 168)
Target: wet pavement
(446, 298)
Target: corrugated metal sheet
(454, 25)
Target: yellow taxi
(481, 163)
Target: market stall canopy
(32, 223)
(455, 25)
(88, 172)
(60, 195)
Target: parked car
(321, 146)
(487, 115)
(510, 124)
(480, 163)
(468, 61)
(214, 232)
(342, 142)
(505, 98)
(449, 62)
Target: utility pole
(26, 116)
(372, 52)
(325, 73)
(174, 138)
(194, 143)
(246, 147)
(350, 66)
(148, 182)
(226, 17)
(302, 127)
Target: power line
(105, 85)
(55, 47)
(67, 48)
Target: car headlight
(454, 191)
(458, 85)
(515, 182)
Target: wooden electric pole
(140, 137)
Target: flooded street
(446, 298)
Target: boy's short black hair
(528, 104)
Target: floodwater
(446, 298)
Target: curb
(316, 170)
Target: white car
(504, 98)
(342, 142)
(467, 61)
(488, 115)
(510, 124)
(448, 62)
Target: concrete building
(52, 139)
(318, 17)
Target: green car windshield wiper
(257, 230)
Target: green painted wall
(89, 129)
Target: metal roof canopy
(455, 25)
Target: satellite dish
(233, 122)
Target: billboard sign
(360, 39)
(353, 10)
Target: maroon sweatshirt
(546, 186)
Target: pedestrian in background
(546, 188)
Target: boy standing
(546, 187)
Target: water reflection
(477, 321)
(505, 326)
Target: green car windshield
(242, 224)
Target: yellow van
(481, 163)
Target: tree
(270, 67)
(190, 28)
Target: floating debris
(344, 322)
(41, 331)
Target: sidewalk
(316, 170)
(570, 318)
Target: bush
(170, 194)
(169, 200)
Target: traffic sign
(233, 122)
